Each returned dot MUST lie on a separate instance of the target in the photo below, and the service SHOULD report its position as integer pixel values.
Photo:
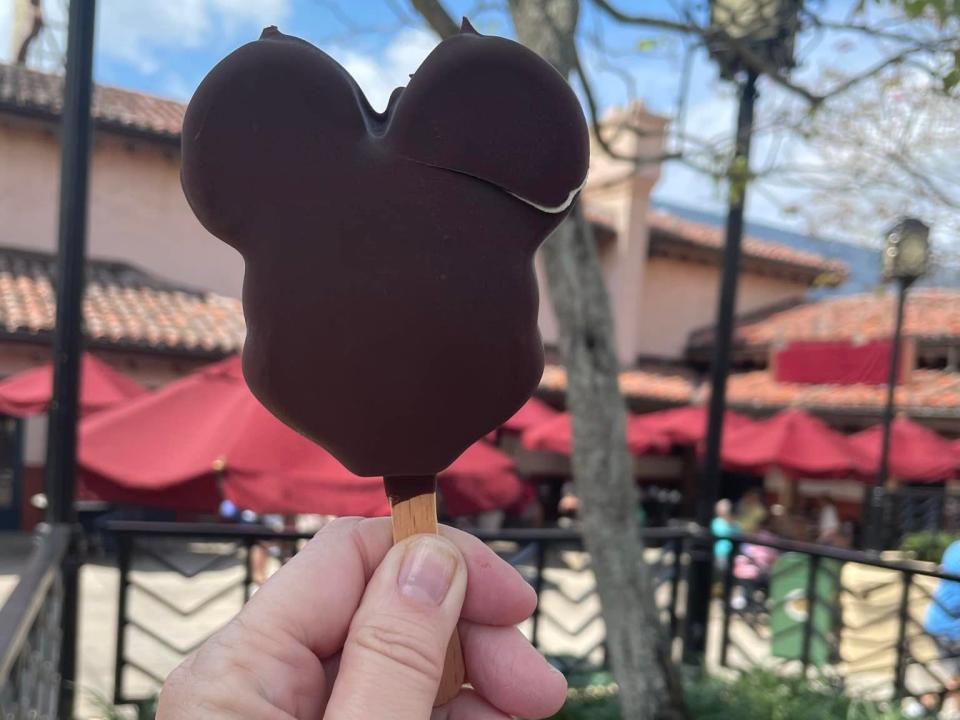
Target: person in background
(723, 526)
(828, 521)
(569, 506)
(942, 622)
(752, 567)
(751, 512)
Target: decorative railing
(30, 640)
(852, 617)
(913, 509)
(178, 583)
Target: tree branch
(647, 20)
(437, 17)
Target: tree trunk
(602, 466)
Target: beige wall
(619, 192)
(138, 214)
(681, 296)
(656, 302)
(137, 211)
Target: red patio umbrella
(685, 425)
(29, 392)
(556, 435)
(481, 479)
(916, 451)
(534, 412)
(794, 441)
(209, 423)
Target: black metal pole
(903, 656)
(71, 249)
(874, 519)
(709, 491)
(124, 552)
(809, 625)
(728, 588)
(538, 588)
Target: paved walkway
(14, 551)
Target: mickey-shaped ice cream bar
(390, 296)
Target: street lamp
(906, 258)
(746, 37)
(762, 30)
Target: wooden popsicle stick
(413, 507)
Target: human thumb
(393, 656)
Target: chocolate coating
(389, 290)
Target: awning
(916, 452)
(792, 441)
(101, 386)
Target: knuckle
(404, 645)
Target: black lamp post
(763, 31)
(906, 258)
(76, 129)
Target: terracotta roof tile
(32, 92)
(639, 384)
(927, 391)
(930, 392)
(930, 313)
(123, 306)
(670, 228)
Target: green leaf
(648, 44)
(951, 80)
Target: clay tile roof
(638, 384)
(124, 307)
(670, 230)
(931, 313)
(30, 92)
(930, 392)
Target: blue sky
(166, 46)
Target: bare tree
(809, 111)
(602, 466)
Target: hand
(352, 629)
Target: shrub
(753, 695)
(928, 545)
(763, 695)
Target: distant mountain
(863, 263)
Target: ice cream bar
(389, 290)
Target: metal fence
(178, 583)
(916, 509)
(854, 618)
(30, 640)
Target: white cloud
(137, 32)
(378, 74)
(6, 31)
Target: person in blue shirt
(943, 618)
(723, 526)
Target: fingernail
(427, 570)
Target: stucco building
(162, 294)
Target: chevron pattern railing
(180, 583)
(846, 615)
